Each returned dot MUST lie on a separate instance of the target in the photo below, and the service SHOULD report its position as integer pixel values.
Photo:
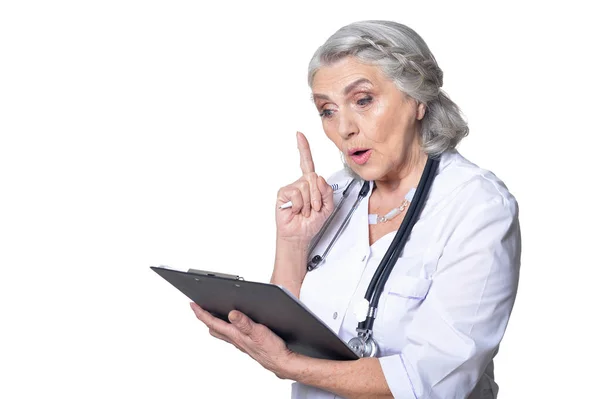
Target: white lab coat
(447, 302)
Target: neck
(405, 176)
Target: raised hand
(311, 198)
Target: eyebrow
(347, 89)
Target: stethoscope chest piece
(364, 345)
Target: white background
(138, 133)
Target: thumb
(326, 194)
(241, 322)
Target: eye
(364, 101)
(326, 113)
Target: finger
(202, 314)
(326, 193)
(241, 322)
(304, 187)
(209, 320)
(226, 339)
(306, 161)
(291, 193)
(315, 193)
(255, 333)
(220, 336)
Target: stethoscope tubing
(385, 267)
(319, 235)
(381, 275)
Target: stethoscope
(364, 345)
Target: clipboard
(267, 304)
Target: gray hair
(405, 58)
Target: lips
(359, 155)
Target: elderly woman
(444, 307)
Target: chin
(363, 172)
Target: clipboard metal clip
(215, 274)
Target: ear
(421, 111)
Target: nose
(347, 126)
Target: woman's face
(373, 123)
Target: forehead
(335, 77)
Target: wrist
(291, 256)
(291, 367)
(293, 245)
(290, 265)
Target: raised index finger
(306, 161)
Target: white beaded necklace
(375, 218)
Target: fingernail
(234, 317)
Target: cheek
(378, 123)
(375, 126)
(331, 135)
(391, 127)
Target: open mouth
(360, 155)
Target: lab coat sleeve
(460, 323)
